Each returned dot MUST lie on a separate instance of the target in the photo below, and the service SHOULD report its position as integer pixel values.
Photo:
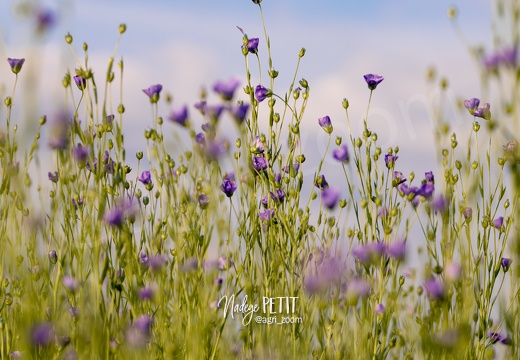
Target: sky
(187, 45)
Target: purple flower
(468, 213)
(373, 80)
(357, 288)
(495, 337)
(472, 105)
(78, 203)
(330, 197)
(278, 196)
(371, 252)
(214, 112)
(429, 177)
(143, 258)
(264, 201)
(252, 45)
(73, 312)
(398, 178)
(230, 176)
(239, 112)
(147, 293)
(81, 82)
(53, 176)
(341, 154)
(397, 250)
(292, 168)
(123, 209)
(321, 183)
(70, 283)
(452, 271)
(278, 178)
(483, 112)
(16, 354)
(180, 116)
(440, 204)
(45, 19)
(426, 190)
(226, 89)
(506, 263)
(145, 177)
(261, 93)
(203, 200)
(258, 146)
(498, 222)
(81, 154)
(390, 160)
(59, 131)
(326, 124)
(42, 334)
(434, 289)
(259, 163)
(228, 187)
(153, 92)
(201, 106)
(138, 335)
(200, 138)
(15, 64)
(266, 215)
(328, 273)
(379, 309)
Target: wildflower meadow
(236, 241)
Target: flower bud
(302, 53)
(68, 38)
(122, 28)
(304, 83)
(345, 103)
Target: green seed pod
(304, 84)
(458, 164)
(122, 28)
(401, 280)
(68, 38)
(120, 109)
(302, 52)
(146, 200)
(338, 140)
(476, 126)
(345, 104)
(8, 101)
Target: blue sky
(185, 45)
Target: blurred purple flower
(371, 252)
(379, 309)
(326, 124)
(429, 177)
(259, 163)
(498, 222)
(357, 288)
(266, 215)
(373, 80)
(180, 116)
(468, 213)
(138, 335)
(59, 131)
(495, 337)
(81, 154)
(230, 176)
(330, 197)
(239, 112)
(434, 289)
(382, 211)
(440, 204)
(143, 258)
(278, 195)
(228, 187)
(157, 262)
(483, 112)
(45, 19)
(153, 92)
(122, 210)
(426, 190)
(226, 89)
(341, 154)
(214, 112)
(472, 105)
(16, 355)
(145, 177)
(41, 334)
(261, 93)
(258, 146)
(80, 202)
(397, 250)
(70, 283)
(81, 82)
(328, 273)
(390, 160)
(452, 271)
(294, 167)
(147, 293)
(203, 201)
(264, 201)
(74, 312)
(15, 64)
(201, 106)
(53, 176)
(200, 138)
(321, 183)
(398, 178)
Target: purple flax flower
(321, 182)
(145, 177)
(53, 176)
(203, 200)
(143, 258)
(42, 334)
(426, 190)
(53, 257)
(74, 312)
(190, 264)
(123, 209)
(278, 178)
(264, 201)
(80, 202)
(226, 89)
(45, 19)
(59, 131)
(379, 309)
(252, 45)
(266, 215)
(429, 177)
(292, 168)
(440, 204)
(398, 178)
(207, 128)
(157, 262)
(15, 64)
(373, 80)
(70, 283)
(153, 92)
(390, 160)
(261, 93)
(180, 116)
(483, 112)
(452, 271)
(330, 197)
(81, 154)
(326, 124)
(472, 105)
(228, 187)
(506, 263)
(357, 288)
(328, 273)
(81, 82)
(435, 289)
(495, 337)
(201, 106)
(200, 138)
(468, 213)
(371, 252)
(508, 56)
(341, 154)
(230, 176)
(258, 146)
(498, 222)
(407, 190)
(214, 112)
(138, 335)
(215, 148)
(397, 250)
(259, 163)
(147, 293)
(239, 112)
